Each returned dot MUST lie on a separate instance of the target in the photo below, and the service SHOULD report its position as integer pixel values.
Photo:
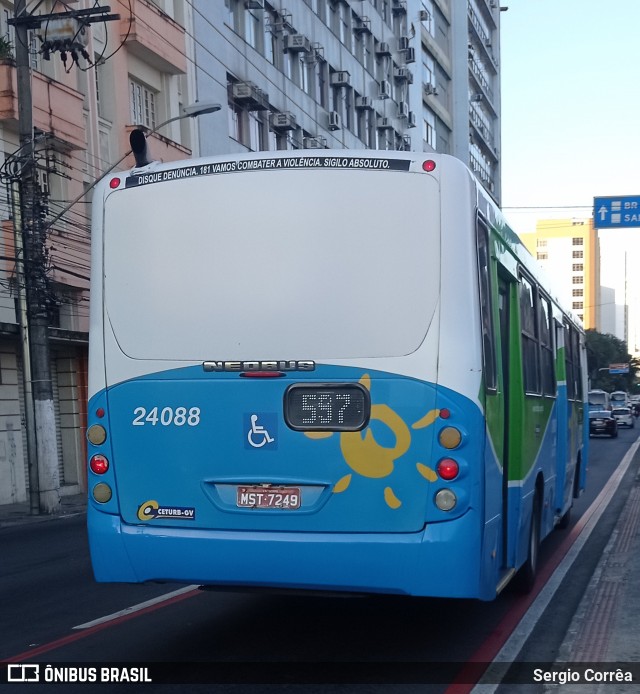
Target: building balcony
(57, 109)
(151, 35)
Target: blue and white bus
(327, 370)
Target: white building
(417, 75)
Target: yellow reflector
(450, 438)
(102, 493)
(96, 434)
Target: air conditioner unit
(403, 109)
(384, 91)
(243, 90)
(282, 121)
(362, 25)
(411, 119)
(424, 15)
(399, 6)
(334, 120)
(403, 43)
(297, 43)
(340, 78)
(314, 142)
(429, 88)
(410, 55)
(250, 96)
(254, 4)
(403, 74)
(364, 103)
(384, 123)
(383, 48)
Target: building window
(578, 292)
(143, 105)
(303, 72)
(257, 132)
(252, 28)
(542, 256)
(321, 83)
(578, 254)
(578, 267)
(541, 243)
(428, 126)
(236, 122)
(578, 304)
(577, 280)
(578, 241)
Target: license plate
(287, 498)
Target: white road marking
(137, 608)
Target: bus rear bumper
(442, 560)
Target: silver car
(624, 416)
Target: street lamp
(138, 138)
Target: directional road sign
(618, 368)
(620, 212)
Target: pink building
(135, 74)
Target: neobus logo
(290, 365)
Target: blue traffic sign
(611, 213)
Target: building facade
(420, 75)
(569, 251)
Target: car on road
(624, 416)
(602, 422)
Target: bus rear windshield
(323, 264)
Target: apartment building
(569, 251)
(135, 70)
(419, 75)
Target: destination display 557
(327, 407)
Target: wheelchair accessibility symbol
(261, 430)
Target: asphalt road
(47, 589)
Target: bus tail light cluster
(448, 469)
(99, 463)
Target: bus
(598, 400)
(619, 398)
(334, 371)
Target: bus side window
(486, 314)
(547, 352)
(529, 325)
(569, 357)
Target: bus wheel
(564, 521)
(526, 576)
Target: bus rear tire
(565, 521)
(526, 577)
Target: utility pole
(66, 34)
(45, 466)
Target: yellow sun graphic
(366, 457)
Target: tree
(604, 349)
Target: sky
(570, 106)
